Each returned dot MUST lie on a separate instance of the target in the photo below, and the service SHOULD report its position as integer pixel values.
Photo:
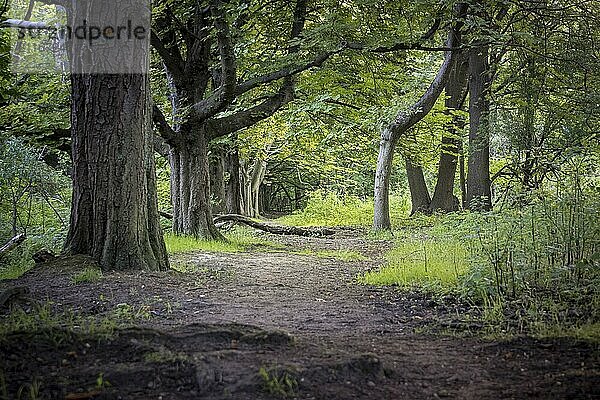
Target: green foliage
(531, 267)
(279, 384)
(328, 209)
(56, 327)
(33, 200)
(425, 261)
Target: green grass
(328, 209)
(426, 261)
(239, 239)
(13, 271)
(87, 275)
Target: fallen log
(165, 214)
(272, 228)
(12, 243)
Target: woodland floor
(206, 333)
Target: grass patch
(588, 331)
(87, 275)
(56, 327)
(329, 209)
(13, 271)
(182, 244)
(239, 239)
(425, 262)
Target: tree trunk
(381, 217)
(443, 195)
(217, 180)
(190, 190)
(462, 178)
(478, 171)
(419, 194)
(114, 214)
(258, 175)
(233, 192)
(403, 122)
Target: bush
(33, 200)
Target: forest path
(292, 309)
(301, 286)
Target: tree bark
(12, 243)
(419, 194)
(443, 196)
(114, 214)
(402, 123)
(233, 191)
(275, 229)
(381, 214)
(258, 174)
(478, 171)
(217, 180)
(190, 190)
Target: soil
(271, 323)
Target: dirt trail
(318, 335)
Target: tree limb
(225, 94)
(164, 129)
(12, 243)
(173, 60)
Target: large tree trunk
(190, 190)
(381, 217)
(114, 214)
(478, 171)
(443, 195)
(419, 194)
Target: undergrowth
(328, 209)
(530, 267)
(426, 261)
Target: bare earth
(206, 333)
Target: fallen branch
(275, 229)
(165, 214)
(12, 243)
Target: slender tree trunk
(233, 192)
(443, 195)
(258, 174)
(217, 180)
(404, 121)
(381, 220)
(478, 172)
(462, 178)
(114, 214)
(419, 194)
